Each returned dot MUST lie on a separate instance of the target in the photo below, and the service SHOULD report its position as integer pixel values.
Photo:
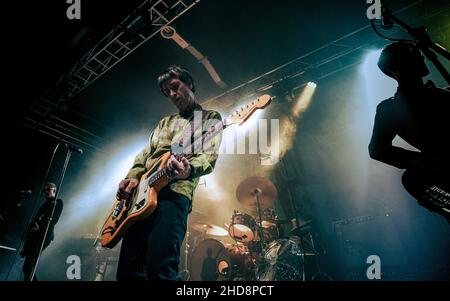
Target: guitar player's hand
(127, 185)
(181, 169)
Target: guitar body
(140, 204)
(432, 192)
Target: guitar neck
(197, 146)
(238, 117)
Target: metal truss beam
(143, 24)
(130, 34)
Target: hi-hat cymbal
(250, 187)
(209, 229)
(268, 224)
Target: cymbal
(197, 216)
(266, 191)
(209, 229)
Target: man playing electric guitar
(418, 113)
(151, 247)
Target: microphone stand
(424, 42)
(256, 194)
(34, 209)
(66, 162)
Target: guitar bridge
(140, 204)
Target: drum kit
(260, 251)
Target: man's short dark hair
(50, 185)
(394, 55)
(175, 72)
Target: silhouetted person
(209, 267)
(36, 230)
(419, 113)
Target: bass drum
(213, 260)
(282, 261)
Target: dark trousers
(31, 252)
(151, 247)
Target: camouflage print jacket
(167, 132)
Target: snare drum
(242, 227)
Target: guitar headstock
(246, 111)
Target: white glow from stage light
(369, 66)
(211, 185)
(371, 87)
(378, 85)
(304, 99)
(96, 190)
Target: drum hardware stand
(259, 260)
(297, 227)
(101, 271)
(184, 274)
(256, 194)
(316, 255)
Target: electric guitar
(432, 192)
(142, 201)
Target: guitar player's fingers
(177, 164)
(123, 184)
(185, 162)
(131, 184)
(169, 163)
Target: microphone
(74, 148)
(386, 21)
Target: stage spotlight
(304, 99)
